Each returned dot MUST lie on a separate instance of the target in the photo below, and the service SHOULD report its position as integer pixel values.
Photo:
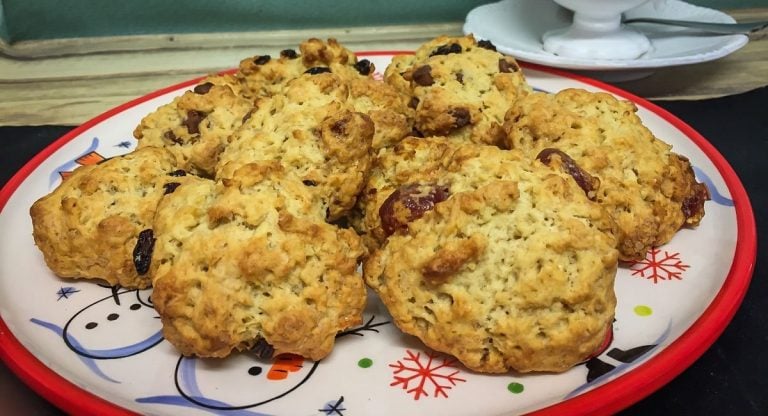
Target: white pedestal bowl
(597, 32)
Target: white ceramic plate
(97, 350)
(516, 28)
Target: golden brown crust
(89, 225)
(650, 191)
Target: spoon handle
(721, 28)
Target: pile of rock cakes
(489, 218)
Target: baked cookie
(459, 88)
(388, 108)
(92, 225)
(497, 260)
(314, 132)
(650, 191)
(265, 75)
(250, 262)
(195, 126)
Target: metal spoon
(720, 28)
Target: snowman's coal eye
(135, 306)
(255, 370)
(112, 316)
(91, 325)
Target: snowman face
(258, 381)
(117, 326)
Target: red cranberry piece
(409, 203)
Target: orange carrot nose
(283, 365)
(90, 158)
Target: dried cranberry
(409, 203)
(142, 253)
(172, 137)
(289, 53)
(339, 127)
(413, 103)
(178, 173)
(193, 120)
(261, 60)
(262, 349)
(694, 204)
(586, 182)
(486, 44)
(423, 76)
(461, 117)
(170, 187)
(416, 133)
(317, 70)
(506, 66)
(447, 49)
(364, 67)
(203, 88)
(247, 116)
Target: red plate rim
(606, 399)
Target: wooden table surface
(67, 82)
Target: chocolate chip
(364, 67)
(193, 120)
(170, 187)
(203, 88)
(414, 201)
(423, 76)
(413, 103)
(460, 77)
(289, 53)
(261, 60)
(447, 49)
(460, 116)
(486, 44)
(309, 182)
(142, 253)
(586, 182)
(262, 349)
(178, 173)
(506, 66)
(317, 70)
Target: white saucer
(516, 28)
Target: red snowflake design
(657, 266)
(425, 372)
